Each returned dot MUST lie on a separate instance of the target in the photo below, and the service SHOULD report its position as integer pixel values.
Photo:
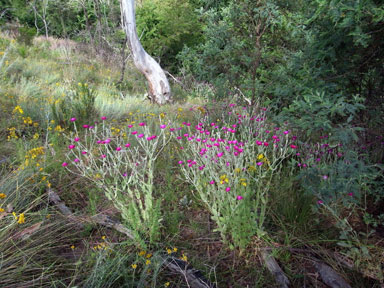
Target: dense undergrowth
(213, 184)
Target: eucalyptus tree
(159, 88)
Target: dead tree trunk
(159, 89)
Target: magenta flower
(320, 202)
(118, 148)
(71, 146)
(134, 132)
(259, 143)
(228, 189)
(180, 162)
(140, 135)
(84, 152)
(259, 163)
(220, 154)
(107, 141)
(171, 129)
(266, 144)
(99, 141)
(142, 124)
(163, 126)
(85, 126)
(239, 197)
(76, 160)
(103, 156)
(127, 145)
(350, 194)
(212, 182)
(103, 118)
(73, 119)
(64, 164)
(293, 146)
(130, 126)
(77, 139)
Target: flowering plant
(231, 166)
(121, 163)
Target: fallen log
(274, 268)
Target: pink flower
(85, 126)
(259, 163)
(220, 154)
(71, 146)
(130, 126)
(99, 141)
(286, 132)
(134, 132)
(171, 129)
(239, 197)
(64, 164)
(293, 146)
(163, 126)
(77, 139)
(76, 160)
(127, 145)
(350, 194)
(103, 156)
(103, 118)
(73, 119)
(107, 141)
(259, 143)
(118, 148)
(142, 124)
(83, 152)
(140, 135)
(180, 162)
(212, 182)
(228, 189)
(320, 202)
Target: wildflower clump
(121, 162)
(231, 166)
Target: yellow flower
(175, 249)
(237, 170)
(148, 262)
(141, 253)
(134, 266)
(169, 251)
(244, 184)
(166, 284)
(21, 219)
(73, 247)
(2, 210)
(260, 156)
(184, 258)
(149, 255)
(18, 109)
(2, 195)
(103, 237)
